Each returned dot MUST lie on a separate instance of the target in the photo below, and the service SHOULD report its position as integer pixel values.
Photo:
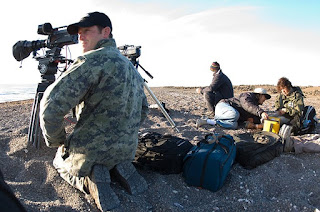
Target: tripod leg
(37, 130)
(30, 130)
(161, 107)
(34, 133)
(33, 119)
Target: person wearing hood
(289, 104)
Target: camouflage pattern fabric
(293, 103)
(108, 94)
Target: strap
(205, 163)
(224, 147)
(307, 113)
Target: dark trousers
(212, 99)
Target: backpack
(308, 120)
(161, 153)
(208, 164)
(256, 149)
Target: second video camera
(130, 51)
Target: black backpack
(308, 120)
(258, 148)
(161, 153)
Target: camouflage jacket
(293, 102)
(108, 94)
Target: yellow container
(272, 125)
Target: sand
(288, 183)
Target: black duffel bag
(258, 148)
(161, 153)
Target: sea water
(11, 92)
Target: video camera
(56, 39)
(130, 51)
(48, 66)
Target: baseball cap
(91, 19)
(262, 91)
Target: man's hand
(264, 116)
(198, 90)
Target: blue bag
(208, 164)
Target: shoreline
(308, 90)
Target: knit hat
(215, 65)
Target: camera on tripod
(57, 38)
(48, 66)
(130, 51)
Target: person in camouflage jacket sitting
(289, 104)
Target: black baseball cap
(92, 19)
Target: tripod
(164, 112)
(48, 66)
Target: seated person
(220, 88)
(229, 112)
(289, 104)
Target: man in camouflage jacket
(108, 94)
(289, 104)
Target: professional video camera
(131, 52)
(48, 66)
(56, 39)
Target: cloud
(250, 49)
(179, 44)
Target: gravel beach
(290, 182)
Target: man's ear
(106, 32)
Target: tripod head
(48, 64)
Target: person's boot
(128, 177)
(201, 122)
(284, 133)
(100, 190)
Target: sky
(255, 41)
